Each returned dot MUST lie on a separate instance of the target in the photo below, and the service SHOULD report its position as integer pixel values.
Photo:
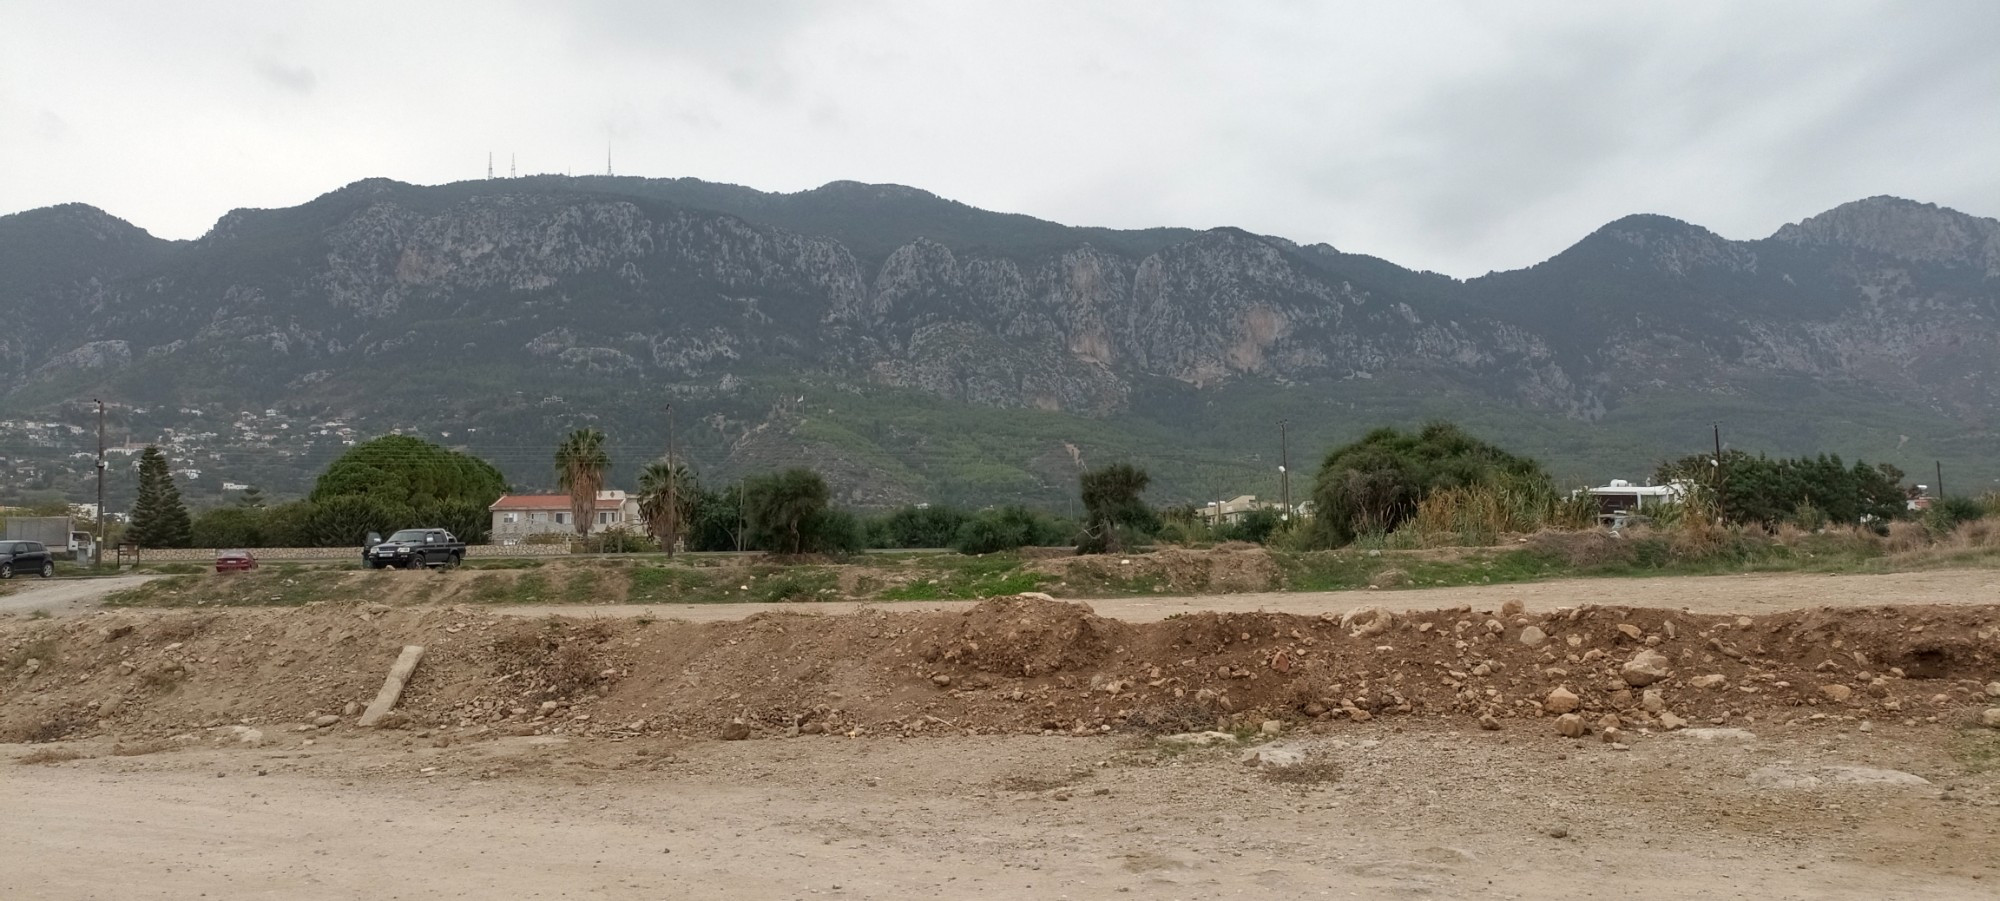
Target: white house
(1623, 497)
(517, 516)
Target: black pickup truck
(413, 549)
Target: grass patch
(967, 578)
(44, 756)
(583, 587)
(1977, 750)
(503, 563)
(281, 586)
(668, 584)
(796, 584)
(526, 588)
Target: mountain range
(918, 349)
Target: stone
(549, 706)
(1723, 734)
(1653, 701)
(325, 721)
(812, 728)
(1488, 723)
(735, 730)
(941, 680)
(1836, 693)
(1363, 622)
(1712, 680)
(1534, 637)
(1783, 777)
(1271, 727)
(1613, 736)
(1993, 689)
(350, 709)
(1512, 608)
(1990, 718)
(1495, 626)
(1645, 668)
(1622, 698)
(1561, 700)
(1557, 831)
(1569, 725)
(1631, 631)
(1671, 722)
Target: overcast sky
(1461, 137)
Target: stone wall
(207, 555)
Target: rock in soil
(1561, 700)
(1569, 725)
(736, 731)
(1645, 668)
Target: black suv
(413, 549)
(25, 557)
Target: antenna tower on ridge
(510, 165)
(607, 157)
(489, 165)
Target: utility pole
(1285, 469)
(1718, 471)
(97, 546)
(1940, 475)
(673, 489)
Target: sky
(1460, 137)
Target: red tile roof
(546, 502)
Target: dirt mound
(1007, 665)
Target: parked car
(413, 549)
(234, 561)
(26, 557)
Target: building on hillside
(1233, 510)
(518, 516)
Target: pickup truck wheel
(454, 561)
(48, 569)
(416, 561)
(6, 570)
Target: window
(562, 518)
(534, 517)
(510, 517)
(604, 519)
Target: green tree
(159, 519)
(229, 527)
(410, 471)
(1009, 528)
(580, 464)
(668, 499)
(1111, 503)
(782, 508)
(1374, 484)
(253, 497)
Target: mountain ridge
(616, 289)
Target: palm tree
(580, 465)
(667, 494)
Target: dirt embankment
(1007, 665)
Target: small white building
(1622, 498)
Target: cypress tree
(159, 519)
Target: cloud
(1458, 136)
(297, 79)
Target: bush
(1377, 483)
(915, 527)
(1007, 528)
(617, 541)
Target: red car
(234, 561)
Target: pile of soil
(1018, 664)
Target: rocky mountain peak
(1905, 229)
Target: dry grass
(140, 749)
(1311, 771)
(44, 756)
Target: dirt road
(1387, 813)
(1747, 594)
(65, 596)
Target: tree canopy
(1804, 490)
(411, 472)
(580, 464)
(1110, 503)
(1375, 484)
